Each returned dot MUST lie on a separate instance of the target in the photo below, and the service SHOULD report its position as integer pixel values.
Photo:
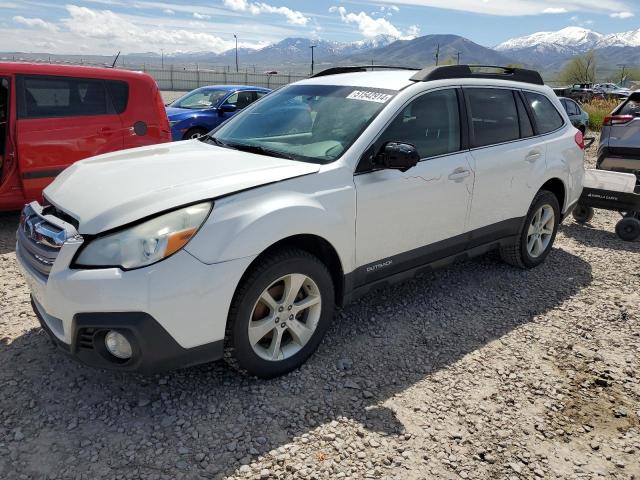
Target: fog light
(118, 345)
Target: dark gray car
(579, 118)
(620, 140)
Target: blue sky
(105, 26)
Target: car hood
(182, 113)
(115, 189)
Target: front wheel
(537, 234)
(582, 214)
(628, 229)
(280, 313)
(194, 133)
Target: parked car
(254, 238)
(203, 109)
(54, 115)
(583, 92)
(579, 118)
(612, 90)
(619, 148)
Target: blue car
(203, 109)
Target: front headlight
(145, 243)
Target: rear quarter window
(547, 118)
(119, 94)
(631, 106)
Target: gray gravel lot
(476, 371)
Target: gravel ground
(476, 371)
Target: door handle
(533, 156)
(459, 174)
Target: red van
(54, 115)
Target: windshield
(314, 123)
(199, 99)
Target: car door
(405, 219)
(61, 120)
(509, 161)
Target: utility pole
(458, 58)
(162, 57)
(437, 55)
(236, 37)
(312, 47)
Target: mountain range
(546, 51)
(550, 50)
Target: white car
(161, 257)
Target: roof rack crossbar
(478, 71)
(358, 68)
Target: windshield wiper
(215, 141)
(260, 150)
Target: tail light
(580, 140)
(611, 120)
(165, 129)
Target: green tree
(580, 69)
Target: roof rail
(478, 71)
(357, 68)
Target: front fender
(248, 223)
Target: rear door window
(547, 118)
(494, 116)
(44, 96)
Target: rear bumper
(154, 350)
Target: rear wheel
(628, 229)
(582, 214)
(280, 313)
(195, 132)
(537, 234)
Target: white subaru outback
(164, 256)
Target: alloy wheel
(285, 317)
(540, 231)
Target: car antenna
(115, 60)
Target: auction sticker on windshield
(368, 96)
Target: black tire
(267, 271)
(516, 253)
(582, 214)
(628, 229)
(194, 132)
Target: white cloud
(118, 32)
(168, 11)
(201, 16)
(294, 17)
(413, 31)
(555, 10)
(368, 26)
(622, 15)
(512, 8)
(35, 23)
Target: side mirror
(398, 156)
(227, 108)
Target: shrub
(597, 110)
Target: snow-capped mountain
(551, 49)
(570, 38)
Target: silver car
(620, 139)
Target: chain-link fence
(175, 78)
